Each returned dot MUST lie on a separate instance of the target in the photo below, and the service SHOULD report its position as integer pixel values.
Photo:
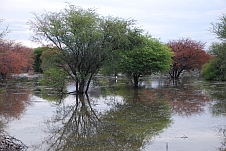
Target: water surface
(188, 114)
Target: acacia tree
(150, 57)
(14, 58)
(84, 39)
(54, 76)
(188, 55)
(219, 28)
(3, 32)
(216, 68)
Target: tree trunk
(77, 83)
(178, 74)
(175, 73)
(135, 78)
(136, 97)
(88, 83)
(3, 76)
(81, 86)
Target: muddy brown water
(162, 115)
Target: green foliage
(50, 58)
(55, 78)
(150, 57)
(216, 68)
(84, 40)
(37, 59)
(219, 28)
(219, 51)
(209, 71)
(110, 67)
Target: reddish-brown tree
(188, 55)
(14, 58)
(13, 104)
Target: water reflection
(133, 125)
(72, 125)
(115, 116)
(220, 130)
(127, 126)
(186, 96)
(217, 91)
(14, 99)
(44, 93)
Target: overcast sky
(163, 19)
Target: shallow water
(161, 115)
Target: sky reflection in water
(119, 117)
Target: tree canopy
(37, 59)
(84, 39)
(14, 58)
(216, 68)
(3, 32)
(150, 57)
(219, 28)
(188, 55)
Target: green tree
(111, 66)
(150, 57)
(37, 59)
(219, 28)
(84, 39)
(208, 70)
(55, 78)
(3, 32)
(216, 68)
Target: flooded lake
(162, 115)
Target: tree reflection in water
(13, 103)
(72, 125)
(130, 124)
(222, 132)
(185, 97)
(127, 126)
(217, 92)
(135, 123)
